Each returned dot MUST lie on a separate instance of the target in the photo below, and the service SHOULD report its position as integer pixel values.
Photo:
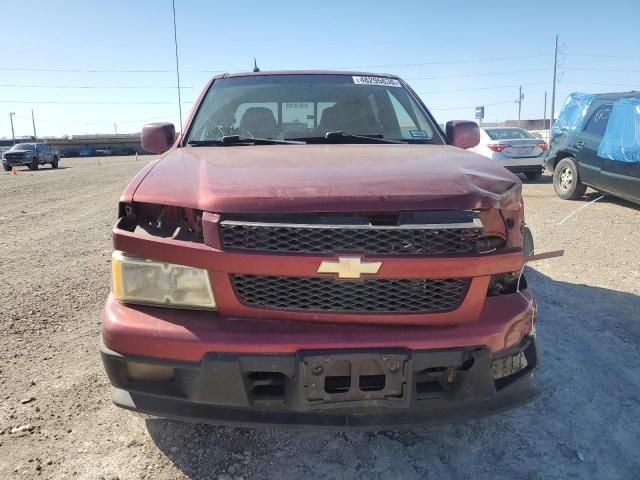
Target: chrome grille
(442, 238)
(379, 295)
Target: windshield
(309, 106)
(508, 134)
(24, 146)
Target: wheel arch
(562, 154)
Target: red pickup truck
(313, 250)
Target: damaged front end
(443, 330)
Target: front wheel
(7, 168)
(566, 182)
(34, 164)
(54, 162)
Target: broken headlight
(506, 283)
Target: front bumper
(431, 386)
(16, 162)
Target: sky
(98, 67)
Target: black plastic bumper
(300, 390)
(525, 168)
(16, 162)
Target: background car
(516, 149)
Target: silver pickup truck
(30, 154)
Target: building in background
(87, 145)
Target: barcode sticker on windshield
(382, 81)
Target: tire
(34, 164)
(528, 247)
(533, 176)
(566, 182)
(7, 168)
(54, 162)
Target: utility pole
(519, 102)
(175, 41)
(33, 121)
(115, 128)
(13, 135)
(553, 91)
(544, 115)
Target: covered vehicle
(595, 143)
(315, 251)
(514, 148)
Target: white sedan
(516, 149)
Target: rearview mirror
(463, 133)
(158, 137)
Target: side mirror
(463, 133)
(158, 137)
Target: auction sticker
(382, 81)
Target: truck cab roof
(304, 72)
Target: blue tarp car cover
(573, 112)
(621, 140)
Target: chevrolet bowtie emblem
(349, 267)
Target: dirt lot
(56, 419)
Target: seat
(353, 116)
(259, 121)
(329, 121)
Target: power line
(53, 102)
(449, 62)
(473, 106)
(175, 41)
(438, 62)
(555, 80)
(601, 84)
(82, 87)
(168, 87)
(58, 122)
(482, 88)
(77, 70)
(601, 69)
(628, 57)
(479, 74)
(417, 64)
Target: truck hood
(327, 178)
(17, 152)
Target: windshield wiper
(375, 138)
(344, 137)
(238, 140)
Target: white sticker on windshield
(382, 81)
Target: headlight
(138, 280)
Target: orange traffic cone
(14, 171)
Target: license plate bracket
(354, 378)
(522, 150)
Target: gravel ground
(57, 421)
